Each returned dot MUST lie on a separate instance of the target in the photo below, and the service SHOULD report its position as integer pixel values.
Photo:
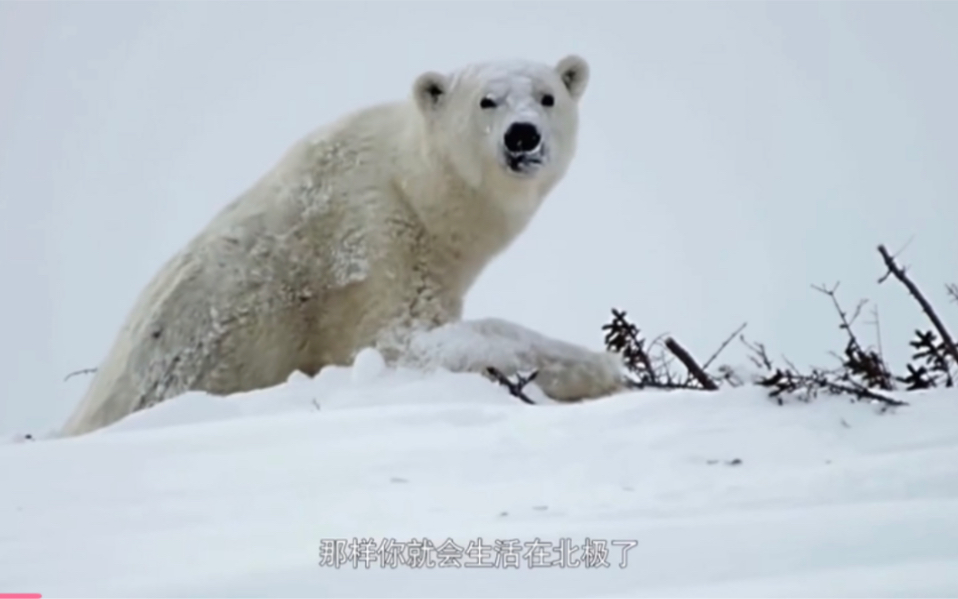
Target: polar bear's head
(501, 122)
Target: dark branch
(694, 369)
(932, 352)
(621, 336)
(949, 344)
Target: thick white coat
(368, 233)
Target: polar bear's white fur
(367, 233)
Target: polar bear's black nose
(522, 137)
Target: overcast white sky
(732, 154)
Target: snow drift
(701, 494)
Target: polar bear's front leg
(566, 372)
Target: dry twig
(78, 372)
(722, 347)
(866, 364)
(516, 388)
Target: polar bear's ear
(429, 91)
(574, 71)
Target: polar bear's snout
(523, 147)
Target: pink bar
(20, 596)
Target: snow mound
(705, 494)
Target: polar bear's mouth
(524, 163)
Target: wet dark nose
(522, 137)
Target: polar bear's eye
(487, 103)
(548, 100)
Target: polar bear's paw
(565, 372)
(590, 376)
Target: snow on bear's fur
(368, 233)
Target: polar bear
(367, 233)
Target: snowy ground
(723, 494)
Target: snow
(367, 366)
(725, 494)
